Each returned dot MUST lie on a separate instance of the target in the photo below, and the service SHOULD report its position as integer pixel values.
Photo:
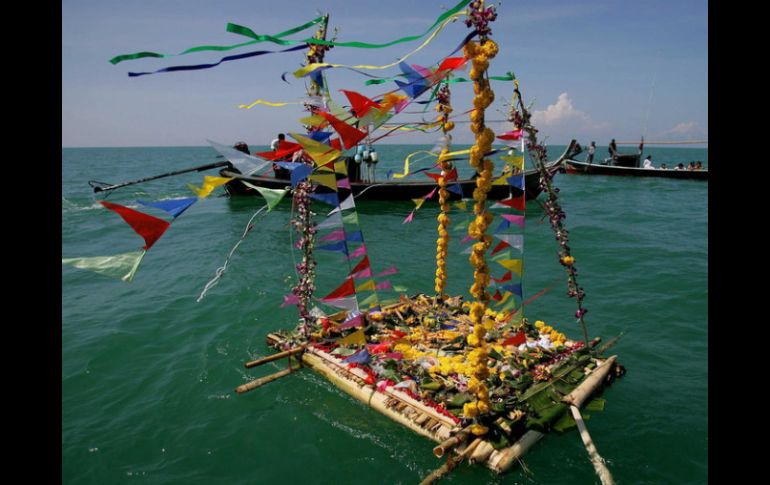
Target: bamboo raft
(445, 429)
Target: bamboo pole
(279, 355)
(584, 390)
(482, 453)
(500, 461)
(596, 459)
(263, 380)
(450, 443)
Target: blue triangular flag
(514, 288)
(321, 136)
(516, 181)
(330, 198)
(174, 207)
(456, 188)
(361, 357)
(357, 236)
(289, 165)
(504, 224)
(338, 246)
(300, 173)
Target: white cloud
(560, 113)
(689, 128)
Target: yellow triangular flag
(209, 184)
(462, 205)
(501, 180)
(357, 337)
(341, 167)
(515, 160)
(368, 286)
(511, 264)
(314, 121)
(321, 153)
(325, 179)
(505, 297)
(418, 202)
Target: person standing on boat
(648, 162)
(280, 172)
(613, 148)
(277, 142)
(591, 152)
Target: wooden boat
(578, 167)
(406, 190)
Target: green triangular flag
(121, 266)
(272, 196)
(351, 218)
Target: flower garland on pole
(480, 53)
(303, 223)
(444, 107)
(553, 209)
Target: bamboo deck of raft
(418, 417)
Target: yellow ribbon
(409, 157)
(268, 103)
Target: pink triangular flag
(409, 218)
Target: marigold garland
(444, 107)
(480, 54)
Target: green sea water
(148, 373)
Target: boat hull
(577, 167)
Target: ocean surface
(148, 373)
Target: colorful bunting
(350, 136)
(149, 227)
(328, 198)
(356, 338)
(340, 246)
(345, 289)
(175, 207)
(121, 266)
(209, 184)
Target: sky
(593, 70)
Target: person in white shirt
(648, 162)
(274, 144)
(591, 152)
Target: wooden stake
(279, 355)
(584, 390)
(263, 380)
(596, 459)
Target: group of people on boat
(694, 165)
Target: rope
(221, 270)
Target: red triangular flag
(452, 175)
(517, 339)
(500, 247)
(350, 136)
(451, 63)
(345, 289)
(497, 296)
(506, 277)
(434, 176)
(362, 265)
(149, 227)
(360, 104)
(335, 143)
(517, 203)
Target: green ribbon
(241, 30)
(139, 55)
(509, 76)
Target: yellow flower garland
(443, 195)
(480, 55)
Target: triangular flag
(350, 136)
(175, 207)
(452, 63)
(363, 264)
(367, 286)
(245, 163)
(349, 303)
(516, 181)
(357, 321)
(314, 120)
(502, 226)
(510, 135)
(457, 189)
(419, 202)
(300, 173)
(515, 240)
(357, 337)
(517, 203)
(344, 183)
(329, 198)
(320, 135)
(409, 217)
(370, 301)
(341, 168)
(327, 180)
(389, 271)
(514, 288)
(500, 181)
(364, 273)
(291, 299)
(341, 246)
(209, 184)
(518, 339)
(356, 236)
(360, 104)
(348, 203)
(321, 153)
(515, 160)
(497, 296)
(272, 196)
(506, 277)
(506, 295)
(149, 227)
(334, 220)
(358, 252)
(339, 112)
(351, 218)
(385, 285)
(511, 264)
(121, 266)
(345, 289)
(514, 219)
(336, 235)
(500, 247)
